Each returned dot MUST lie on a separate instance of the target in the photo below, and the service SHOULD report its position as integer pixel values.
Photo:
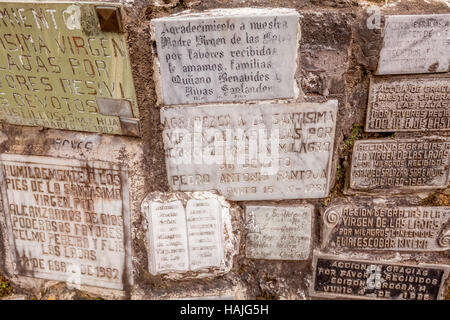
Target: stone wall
(274, 234)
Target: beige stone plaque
(188, 232)
(65, 65)
(279, 232)
(68, 220)
(340, 277)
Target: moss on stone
(5, 287)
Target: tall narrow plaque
(68, 220)
(415, 44)
(251, 152)
(63, 66)
(227, 55)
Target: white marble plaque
(168, 237)
(278, 232)
(67, 219)
(186, 231)
(227, 55)
(415, 44)
(251, 152)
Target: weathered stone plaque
(251, 152)
(65, 65)
(336, 277)
(67, 219)
(366, 225)
(227, 55)
(401, 164)
(408, 104)
(278, 232)
(415, 44)
(187, 232)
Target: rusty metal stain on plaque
(58, 60)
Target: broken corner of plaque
(415, 44)
(189, 234)
(226, 55)
(68, 220)
(251, 152)
(77, 65)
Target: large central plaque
(68, 220)
(400, 164)
(408, 104)
(251, 152)
(65, 65)
(348, 278)
(227, 55)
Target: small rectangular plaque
(251, 152)
(278, 232)
(415, 44)
(336, 277)
(369, 226)
(227, 55)
(408, 104)
(68, 220)
(64, 65)
(400, 164)
(187, 232)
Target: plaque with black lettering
(399, 165)
(408, 104)
(67, 219)
(336, 277)
(65, 65)
(415, 44)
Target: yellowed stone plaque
(65, 65)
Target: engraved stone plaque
(408, 104)
(278, 232)
(68, 220)
(63, 66)
(337, 277)
(188, 232)
(251, 152)
(366, 225)
(227, 55)
(401, 164)
(415, 44)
